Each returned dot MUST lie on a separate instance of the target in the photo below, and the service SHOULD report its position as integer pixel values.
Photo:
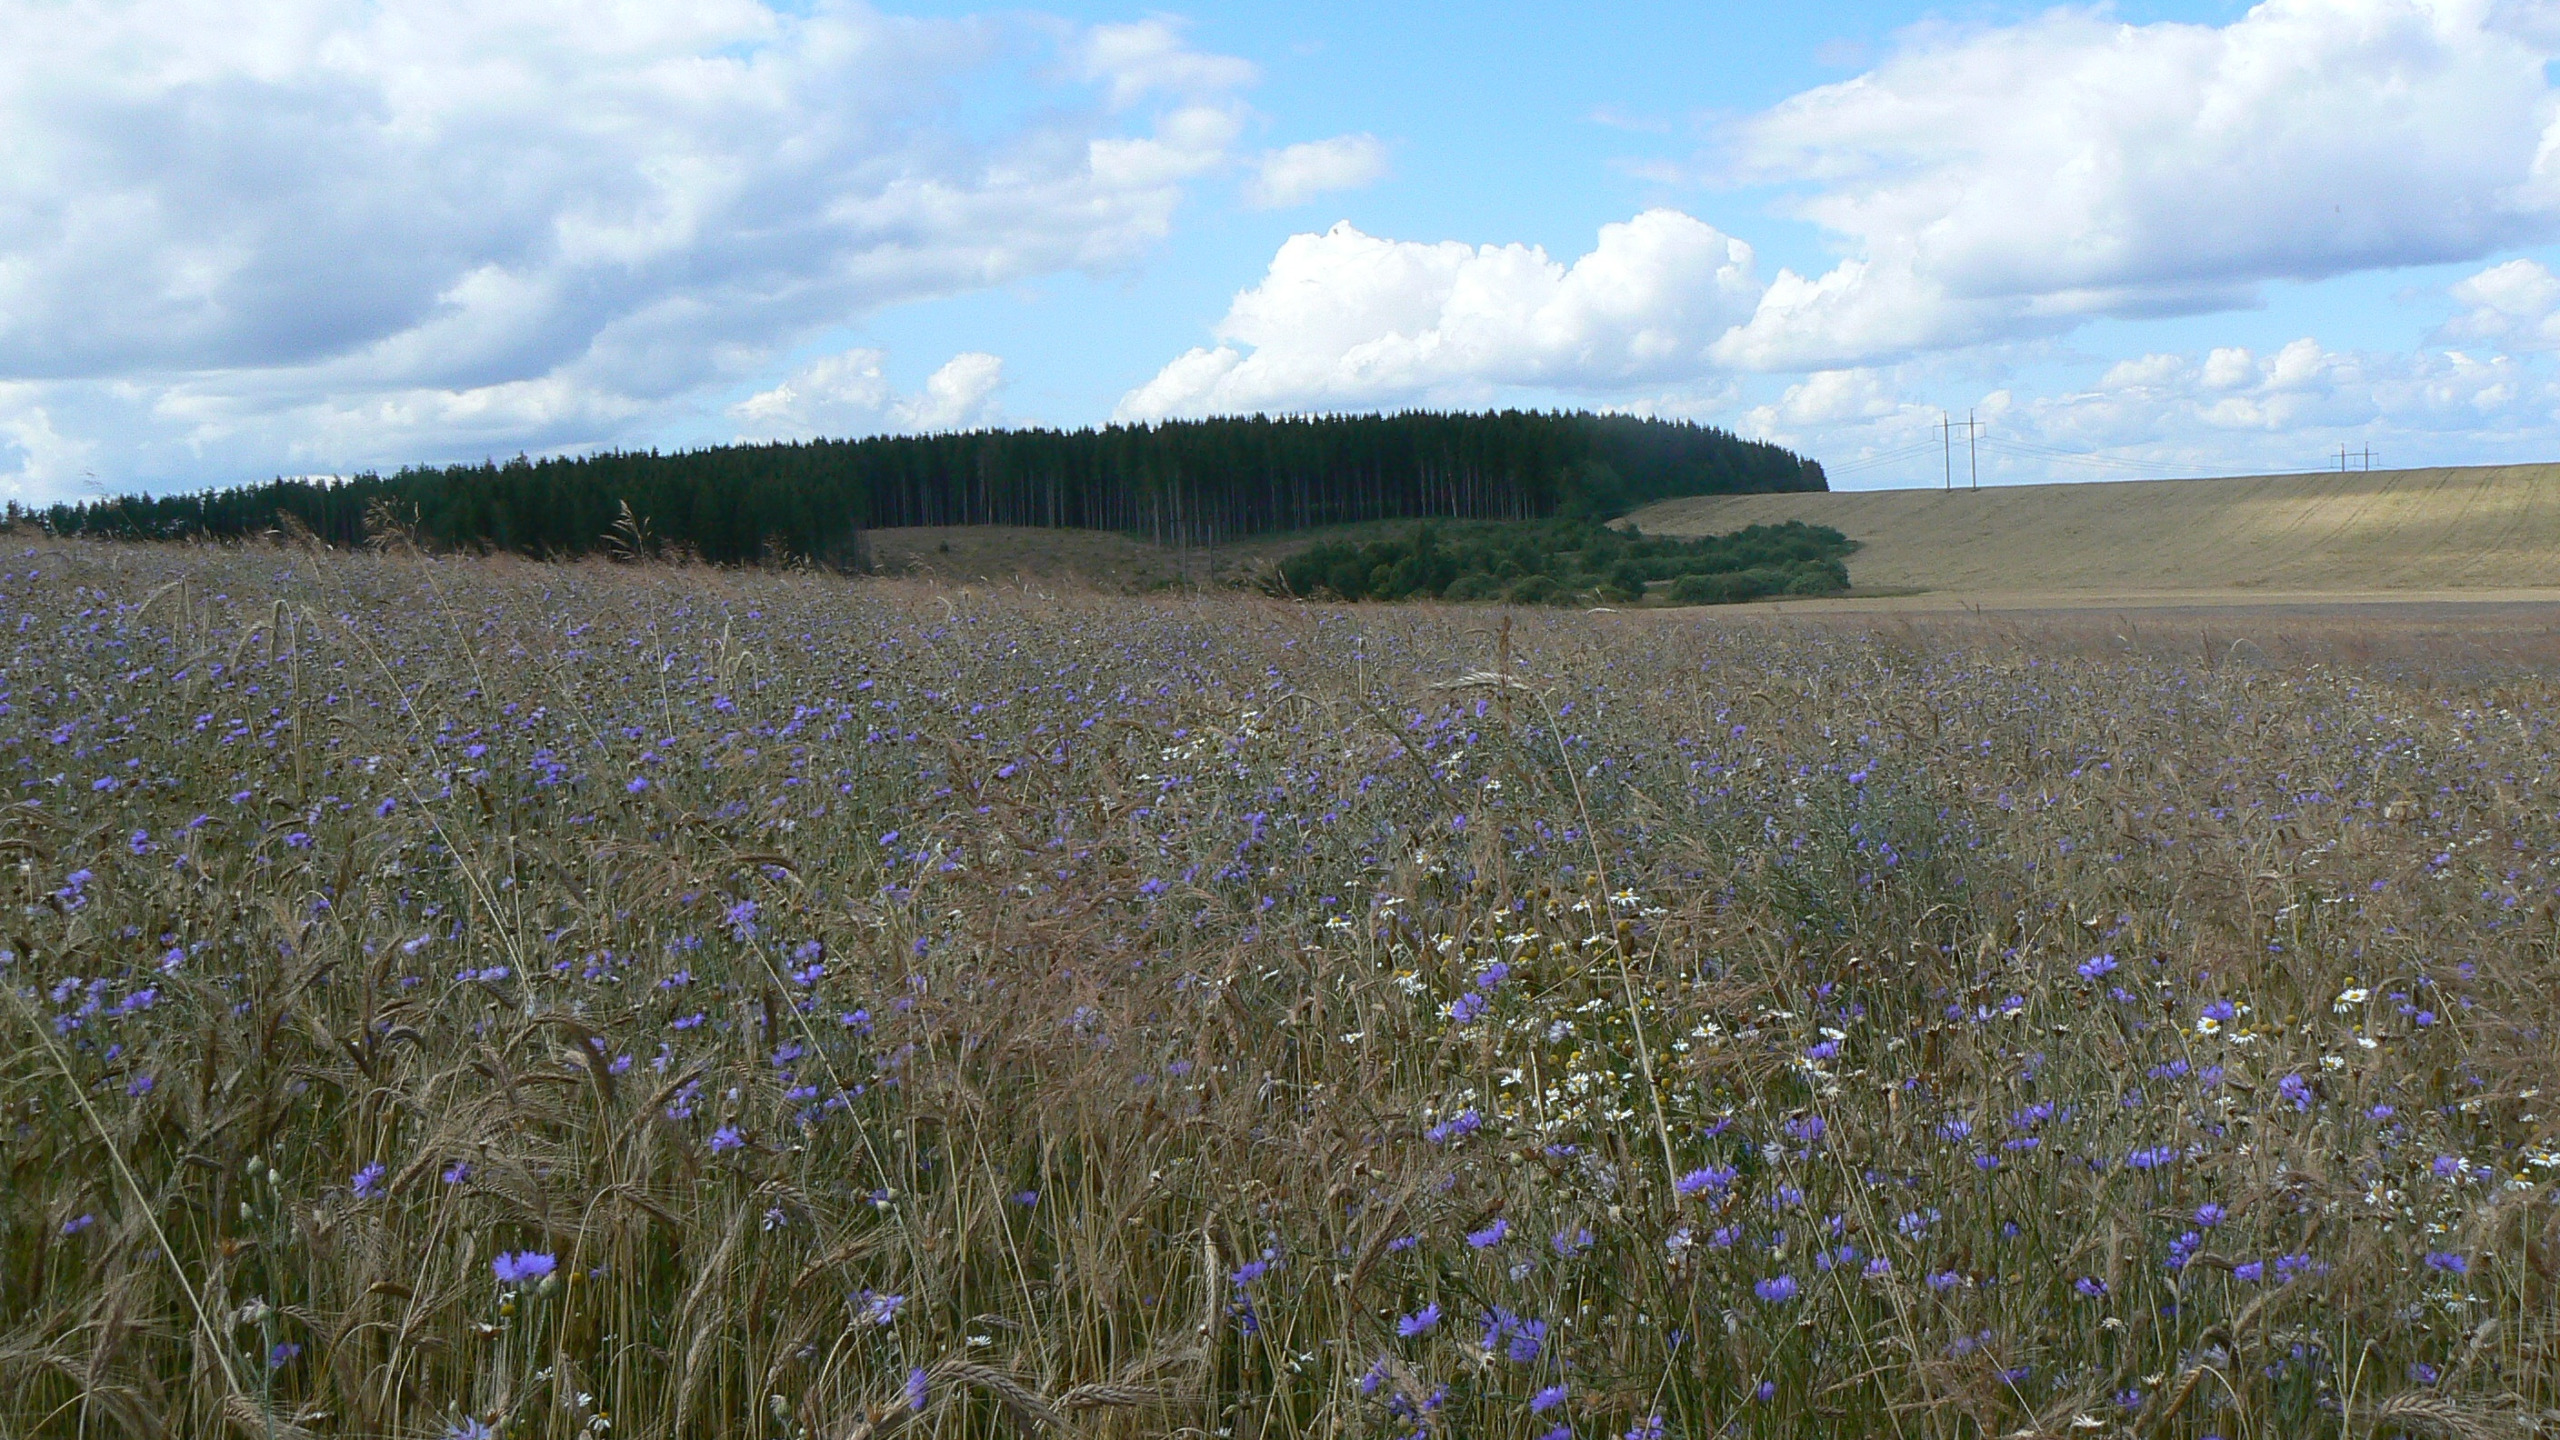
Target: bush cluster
(1564, 561)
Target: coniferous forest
(1198, 482)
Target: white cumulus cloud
(849, 394)
(36, 461)
(332, 234)
(1985, 185)
(1344, 318)
(2227, 410)
(1149, 57)
(1300, 173)
(2514, 306)
(2018, 180)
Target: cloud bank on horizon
(315, 236)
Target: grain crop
(471, 997)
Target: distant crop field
(2444, 529)
(470, 998)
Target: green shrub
(1545, 562)
(1626, 581)
(1703, 590)
(1533, 590)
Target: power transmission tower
(2368, 457)
(1972, 453)
(1946, 447)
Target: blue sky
(319, 236)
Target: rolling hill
(2468, 528)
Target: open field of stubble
(2444, 529)
(470, 998)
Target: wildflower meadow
(462, 997)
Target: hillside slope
(2470, 527)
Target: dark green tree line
(1191, 481)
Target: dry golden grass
(887, 1009)
(2460, 528)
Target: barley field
(474, 998)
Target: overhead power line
(1881, 457)
(1979, 438)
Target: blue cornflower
(1489, 1236)
(1419, 1322)
(1465, 1122)
(1777, 1289)
(523, 1267)
(367, 1182)
(879, 1309)
(2448, 1262)
(1547, 1399)
(1712, 1177)
(915, 1390)
(1522, 1339)
(725, 1138)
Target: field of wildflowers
(468, 998)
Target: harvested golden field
(2464, 528)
